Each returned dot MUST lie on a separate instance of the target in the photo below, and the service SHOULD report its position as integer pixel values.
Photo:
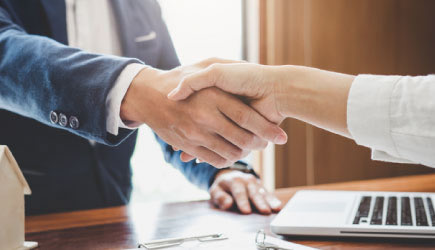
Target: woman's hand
(312, 95)
(256, 84)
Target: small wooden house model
(13, 187)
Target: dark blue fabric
(40, 73)
(191, 170)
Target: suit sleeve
(200, 174)
(39, 75)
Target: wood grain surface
(124, 227)
(355, 37)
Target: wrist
(240, 167)
(282, 86)
(140, 91)
(316, 96)
(295, 89)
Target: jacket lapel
(138, 28)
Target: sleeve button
(63, 120)
(54, 117)
(74, 122)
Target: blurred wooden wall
(349, 36)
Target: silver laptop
(358, 214)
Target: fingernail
(280, 139)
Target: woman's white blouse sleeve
(394, 116)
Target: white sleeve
(394, 116)
(116, 95)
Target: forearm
(315, 96)
(40, 75)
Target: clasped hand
(211, 125)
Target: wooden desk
(124, 227)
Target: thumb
(194, 82)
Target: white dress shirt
(394, 116)
(91, 26)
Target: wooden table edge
(94, 217)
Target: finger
(236, 78)
(257, 198)
(209, 77)
(221, 198)
(238, 136)
(249, 119)
(186, 157)
(223, 148)
(212, 67)
(191, 83)
(238, 190)
(175, 148)
(273, 202)
(208, 156)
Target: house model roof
(5, 152)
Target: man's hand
(212, 125)
(231, 186)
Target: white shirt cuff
(382, 156)
(368, 115)
(116, 95)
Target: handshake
(210, 110)
(219, 110)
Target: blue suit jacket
(39, 73)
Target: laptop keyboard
(377, 211)
(405, 214)
(431, 210)
(391, 211)
(399, 211)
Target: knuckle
(241, 117)
(213, 145)
(185, 131)
(202, 117)
(195, 136)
